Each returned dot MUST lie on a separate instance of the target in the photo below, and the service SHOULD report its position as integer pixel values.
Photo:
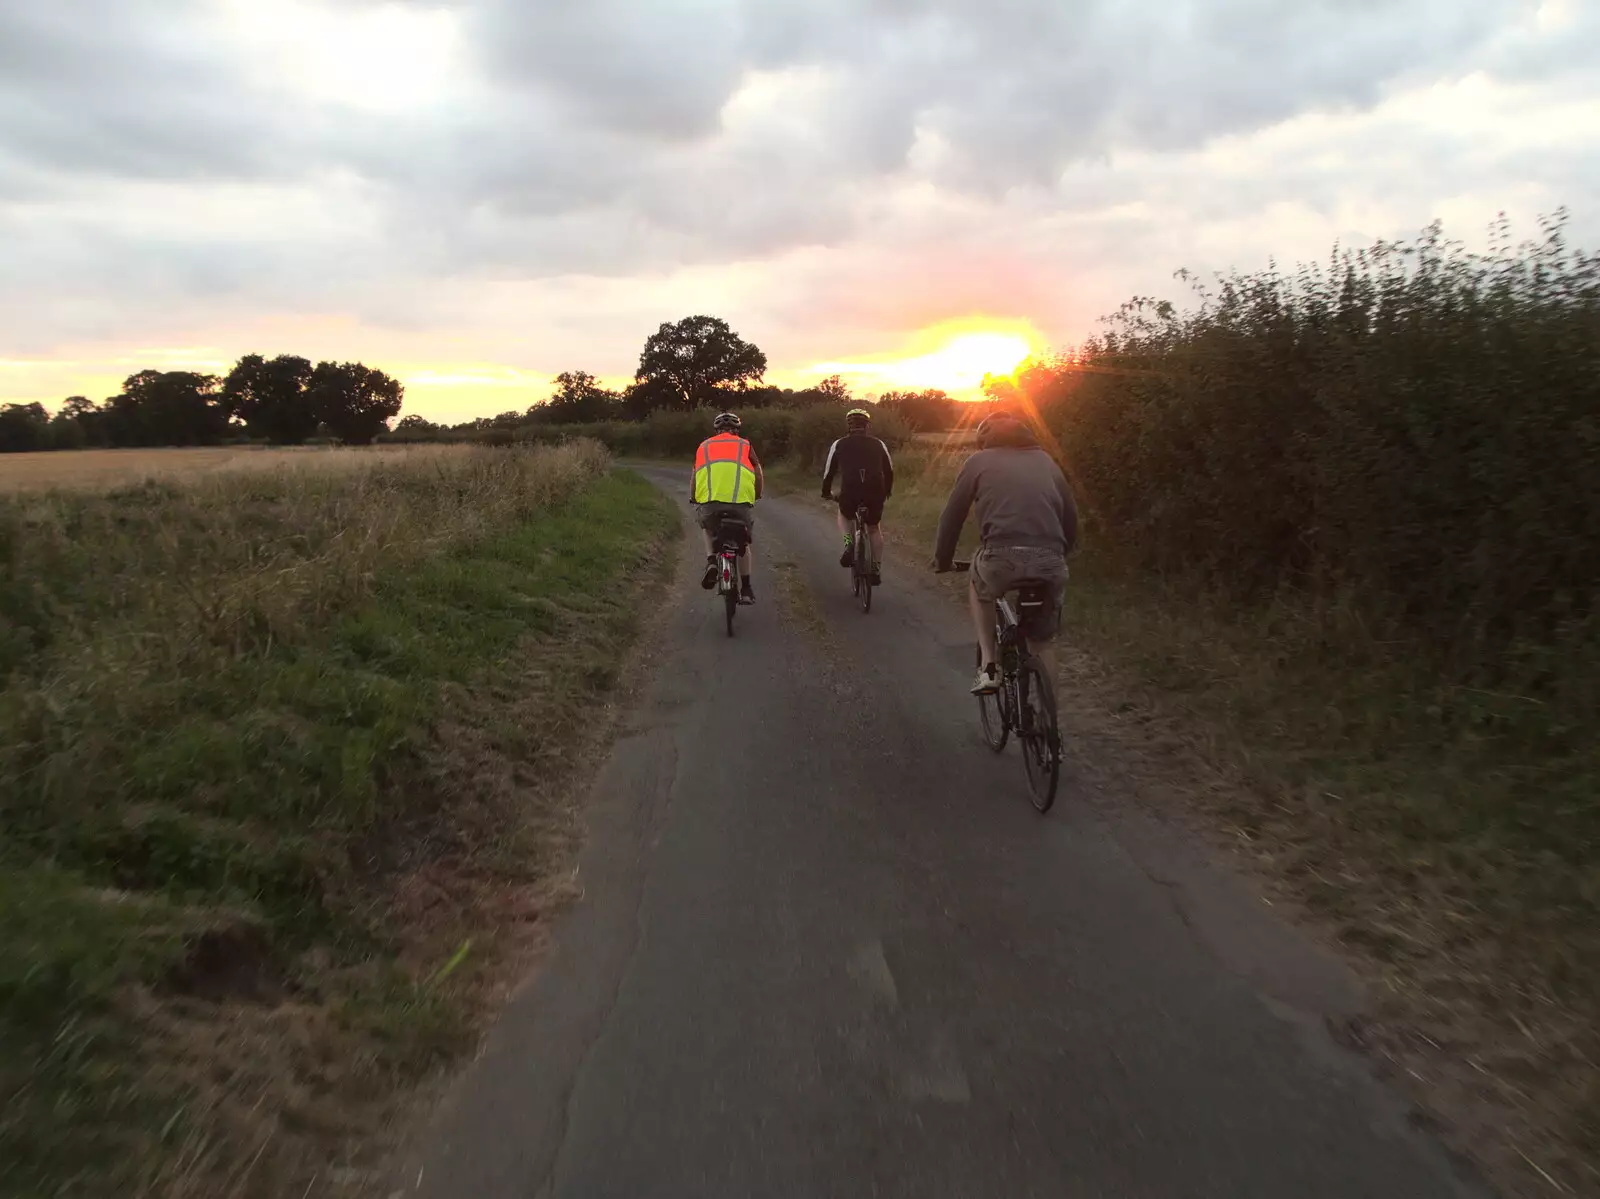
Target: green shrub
(1415, 425)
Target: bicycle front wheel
(1039, 734)
(991, 712)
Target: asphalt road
(826, 948)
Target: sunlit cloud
(383, 57)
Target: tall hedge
(1413, 425)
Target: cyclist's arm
(888, 469)
(955, 515)
(1069, 512)
(830, 468)
(761, 479)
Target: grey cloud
(604, 138)
(131, 88)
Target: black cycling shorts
(873, 504)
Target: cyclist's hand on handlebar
(939, 568)
(827, 495)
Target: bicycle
(862, 565)
(1025, 702)
(729, 542)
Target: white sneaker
(988, 681)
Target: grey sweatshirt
(1021, 496)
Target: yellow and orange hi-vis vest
(724, 472)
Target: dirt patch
(235, 962)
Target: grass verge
(1432, 830)
(287, 778)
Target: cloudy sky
(476, 194)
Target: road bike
(728, 543)
(1025, 702)
(861, 565)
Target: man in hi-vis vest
(727, 481)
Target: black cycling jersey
(862, 466)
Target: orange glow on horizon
(954, 356)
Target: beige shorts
(998, 569)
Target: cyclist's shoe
(709, 579)
(988, 681)
(877, 578)
(848, 557)
(746, 596)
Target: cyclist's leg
(748, 557)
(982, 611)
(875, 528)
(846, 516)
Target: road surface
(826, 948)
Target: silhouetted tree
(354, 401)
(692, 363)
(271, 398)
(166, 408)
(24, 427)
(578, 398)
(834, 388)
(926, 410)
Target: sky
(477, 194)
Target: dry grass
(91, 469)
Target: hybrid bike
(862, 565)
(1025, 702)
(728, 544)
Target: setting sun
(954, 356)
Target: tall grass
(212, 722)
(1413, 425)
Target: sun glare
(955, 356)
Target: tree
(24, 427)
(926, 410)
(271, 397)
(692, 363)
(77, 423)
(356, 402)
(834, 388)
(166, 408)
(578, 398)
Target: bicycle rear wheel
(730, 599)
(991, 711)
(1039, 734)
(863, 569)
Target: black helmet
(857, 418)
(725, 421)
(996, 422)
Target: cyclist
(1028, 523)
(866, 477)
(727, 481)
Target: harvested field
(92, 469)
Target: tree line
(696, 362)
(284, 400)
